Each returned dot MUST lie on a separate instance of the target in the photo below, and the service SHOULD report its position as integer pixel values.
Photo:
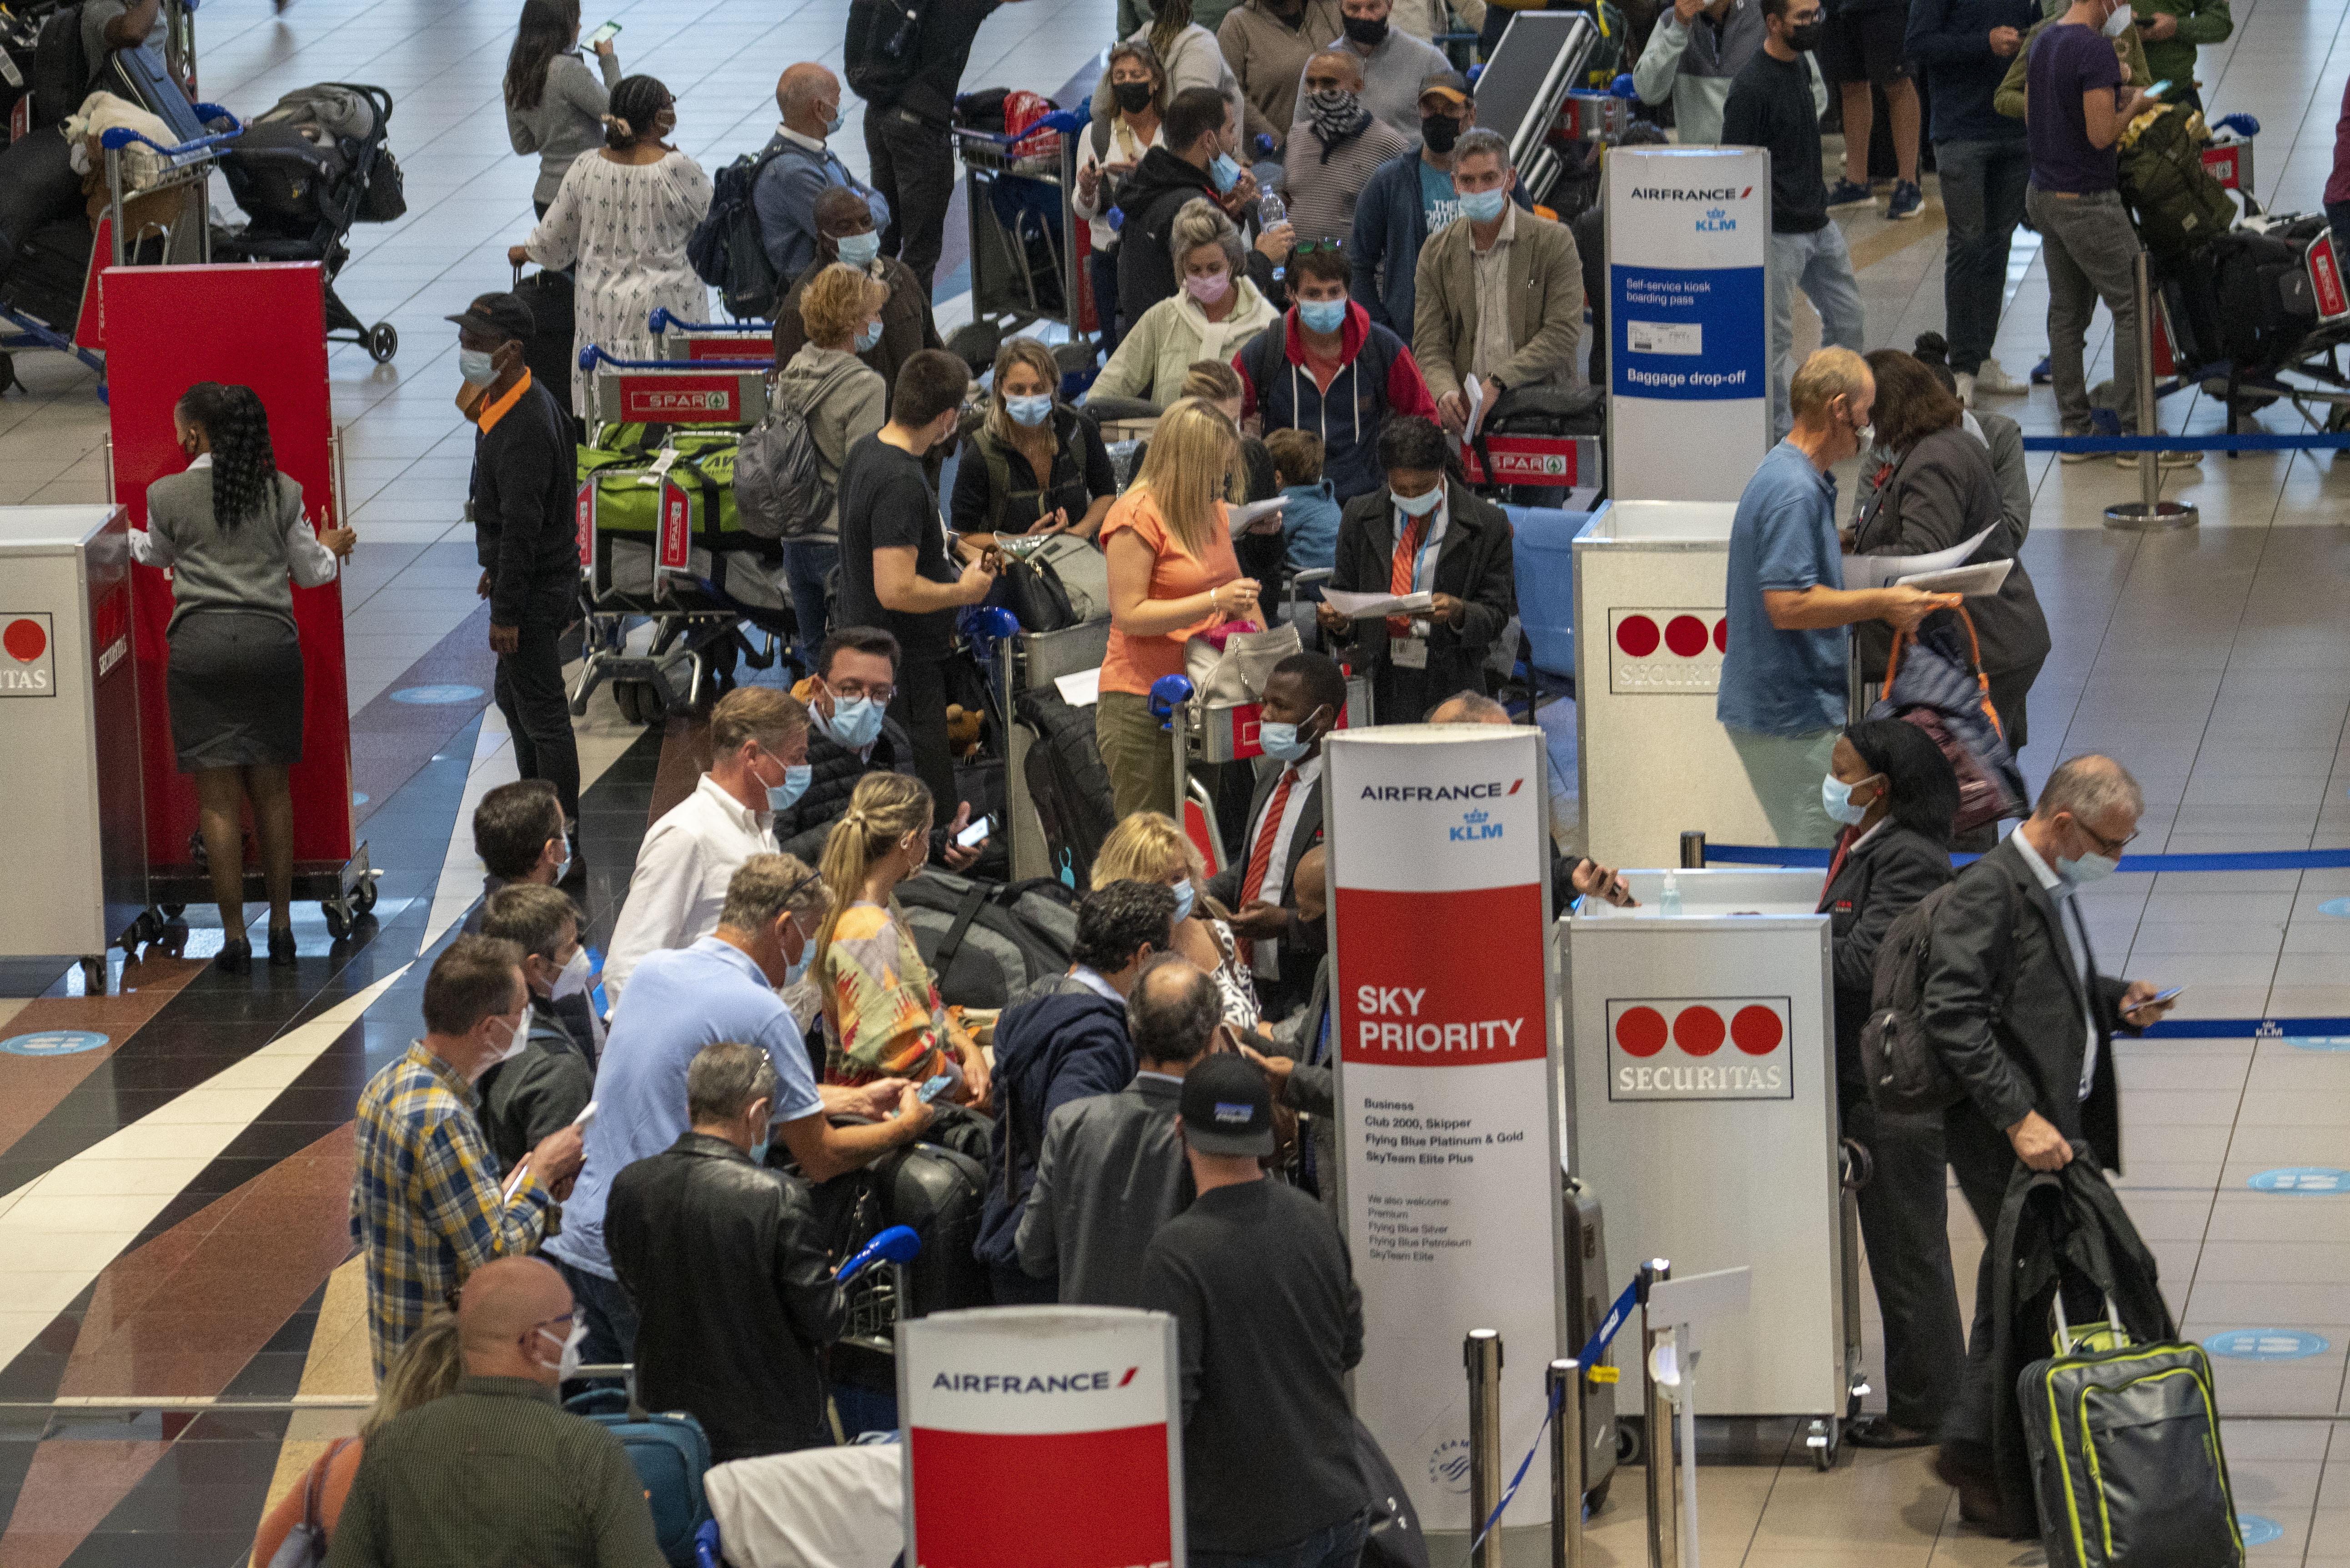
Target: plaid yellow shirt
(425, 1206)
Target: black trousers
(1984, 1161)
(529, 691)
(921, 705)
(1101, 267)
(1905, 1225)
(914, 168)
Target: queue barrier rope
(1586, 1361)
(2312, 441)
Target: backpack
(1068, 783)
(2180, 204)
(1904, 1074)
(726, 249)
(986, 942)
(338, 110)
(61, 73)
(882, 48)
(780, 490)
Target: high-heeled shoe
(281, 947)
(235, 957)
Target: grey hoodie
(1693, 66)
(850, 409)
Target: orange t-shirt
(1134, 662)
(342, 1468)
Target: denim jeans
(2089, 246)
(1338, 1545)
(807, 563)
(1819, 263)
(1983, 185)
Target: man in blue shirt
(723, 987)
(1784, 695)
(800, 165)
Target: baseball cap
(501, 316)
(1227, 1106)
(1450, 85)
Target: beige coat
(1544, 277)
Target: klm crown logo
(1716, 222)
(1475, 827)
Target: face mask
(1132, 97)
(858, 250)
(1836, 799)
(1223, 173)
(1336, 113)
(1186, 896)
(1207, 287)
(566, 1365)
(1368, 31)
(1421, 505)
(2118, 23)
(1029, 412)
(1805, 39)
(867, 338)
(564, 869)
(2088, 868)
(839, 117)
(478, 369)
(799, 966)
(780, 797)
(1323, 316)
(1283, 742)
(855, 722)
(1439, 132)
(1485, 206)
(573, 978)
(759, 1152)
(518, 1036)
(1865, 437)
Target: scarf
(1335, 116)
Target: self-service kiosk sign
(1699, 1048)
(1666, 651)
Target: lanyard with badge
(1410, 652)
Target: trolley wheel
(624, 697)
(173, 911)
(363, 896)
(1627, 1445)
(381, 341)
(338, 920)
(1826, 1441)
(93, 975)
(1597, 1497)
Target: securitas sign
(1699, 1048)
(1666, 652)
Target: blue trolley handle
(591, 356)
(116, 138)
(661, 321)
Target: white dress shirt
(679, 883)
(2060, 893)
(1267, 962)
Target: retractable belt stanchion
(2151, 511)
(1565, 1379)
(1482, 1354)
(1664, 1535)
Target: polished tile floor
(172, 1202)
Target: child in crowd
(1309, 522)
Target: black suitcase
(2266, 304)
(1067, 782)
(548, 349)
(52, 268)
(1590, 1292)
(37, 186)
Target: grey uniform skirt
(234, 684)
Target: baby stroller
(304, 172)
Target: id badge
(1409, 652)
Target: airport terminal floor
(174, 1201)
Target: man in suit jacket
(1498, 293)
(2016, 1009)
(1305, 698)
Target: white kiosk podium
(1703, 1107)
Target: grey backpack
(780, 489)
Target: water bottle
(1669, 905)
(1271, 210)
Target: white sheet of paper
(1363, 606)
(1882, 571)
(1082, 690)
(1976, 580)
(1248, 512)
(1475, 392)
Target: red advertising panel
(676, 527)
(743, 348)
(1413, 1003)
(663, 396)
(263, 325)
(585, 522)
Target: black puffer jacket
(733, 1293)
(835, 768)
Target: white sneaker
(1991, 377)
(1966, 384)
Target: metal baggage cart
(1025, 269)
(702, 340)
(1212, 732)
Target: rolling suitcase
(549, 349)
(671, 1454)
(1589, 1293)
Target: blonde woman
(843, 399)
(427, 1367)
(1216, 308)
(881, 1009)
(1150, 847)
(1034, 465)
(1172, 574)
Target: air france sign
(1699, 1048)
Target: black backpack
(61, 73)
(883, 48)
(1904, 1072)
(726, 249)
(987, 943)
(1068, 783)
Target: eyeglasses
(1307, 247)
(2107, 846)
(852, 690)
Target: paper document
(1364, 607)
(1254, 511)
(1883, 571)
(1082, 690)
(1976, 580)
(1475, 392)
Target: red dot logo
(25, 640)
(1685, 635)
(1637, 636)
(1641, 1031)
(1721, 634)
(1697, 1031)
(1756, 1031)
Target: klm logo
(1714, 222)
(1475, 827)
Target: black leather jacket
(733, 1293)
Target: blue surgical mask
(565, 869)
(1282, 742)
(2088, 868)
(1223, 173)
(1186, 896)
(839, 117)
(798, 966)
(759, 1150)
(1322, 315)
(1485, 206)
(1421, 505)
(781, 797)
(1029, 412)
(859, 250)
(479, 368)
(868, 337)
(854, 724)
(1836, 799)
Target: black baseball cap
(1227, 1106)
(501, 316)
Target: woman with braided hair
(623, 215)
(232, 530)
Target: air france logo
(1415, 794)
(1681, 194)
(1716, 222)
(1032, 1383)
(1475, 827)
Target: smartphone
(607, 30)
(974, 836)
(2162, 996)
(937, 1086)
(2157, 90)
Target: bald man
(798, 163)
(561, 1491)
(1584, 878)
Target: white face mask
(573, 978)
(566, 1366)
(518, 1036)
(2118, 23)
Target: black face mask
(1439, 132)
(1368, 31)
(1132, 97)
(1805, 39)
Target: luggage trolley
(736, 340)
(698, 585)
(1027, 244)
(1211, 732)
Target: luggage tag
(1409, 652)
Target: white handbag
(1237, 672)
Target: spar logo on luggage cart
(2325, 277)
(29, 654)
(1699, 1048)
(662, 396)
(1666, 651)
